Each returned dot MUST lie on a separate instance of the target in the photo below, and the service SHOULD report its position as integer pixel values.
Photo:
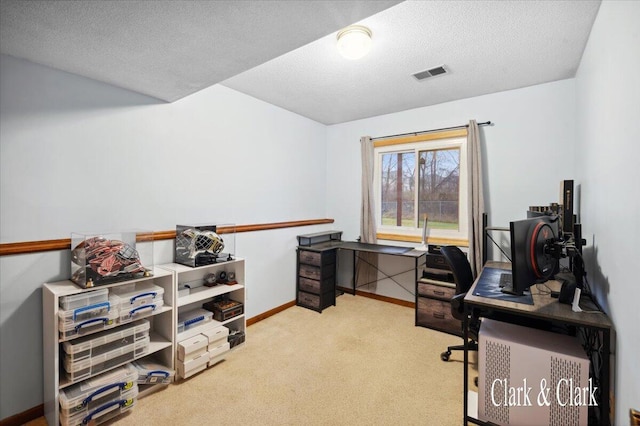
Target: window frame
(452, 139)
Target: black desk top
(306, 240)
(381, 249)
(366, 247)
(323, 246)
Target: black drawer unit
(316, 270)
(316, 282)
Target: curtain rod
(486, 123)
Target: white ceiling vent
(430, 73)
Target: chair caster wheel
(445, 356)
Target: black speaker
(438, 275)
(566, 292)
(436, 261)
(568, 287)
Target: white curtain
(367, 211)
(367, 264)
(475, 197)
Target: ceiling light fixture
(354, 42)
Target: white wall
(77, 155)
(528, 151)
(526, 154)
(80, 155)
(608, 125)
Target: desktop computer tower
(531, 377)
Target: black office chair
(463, 278)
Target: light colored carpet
(360, 362)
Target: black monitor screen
(531, 261)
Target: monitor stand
(509, 290)
(506, 284)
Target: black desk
(357, 247)
(547, 308)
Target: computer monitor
(532, 260)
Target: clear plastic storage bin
(152, 373)
(88, 367)
(105, 341)
(76, 316)
(193, 318)
(96, 391)
(98, 259)
(128, 314)
(199, 245)
(80, 300)
(76, 329)
(102, 413)
(137, 294)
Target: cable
(587, 286)
(547, 290)
(497, 245)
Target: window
(418, 176)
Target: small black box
(434, 249)
(438, 274)
(235, 338)
(225, 309)
(436, 261)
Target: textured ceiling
(283, 52)
(487, 46)
(167, 49)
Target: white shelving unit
(162, 335)
(200, 294)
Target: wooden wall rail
(65, 243)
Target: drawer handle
(153, 294)
(120, 385)
(141, 308)
(158, 373)
(98, 307)
(92, 322)
(438, 292)
(108, 407)
(438, 315)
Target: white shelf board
(180, 268)
(201, 293)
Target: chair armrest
(457, 306)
